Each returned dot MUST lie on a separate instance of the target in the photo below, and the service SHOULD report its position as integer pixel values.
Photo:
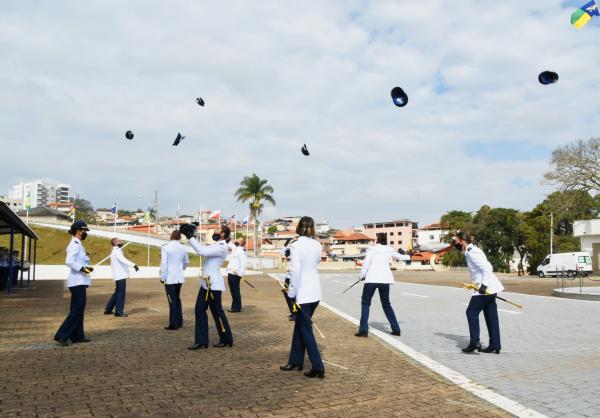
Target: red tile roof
(355, 236)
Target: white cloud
(75, 76)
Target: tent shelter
(11, 224)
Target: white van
(569, 263)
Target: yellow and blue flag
(584, 14)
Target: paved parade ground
(134, 367)
(550, 359)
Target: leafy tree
(272, 229)
(84, 211)
(576, 166)
(496, 233)
(454, 259)
(256, 191)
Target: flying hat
(178, 139)
(399, 98)
(200, 101)
(548, 77)
(129, 135)
(305, 150)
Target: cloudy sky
(478, 128)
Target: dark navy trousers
(72, 327)
(304, 340)
(384, 296)
(487, 304)
(175, 309)
(236, 294)
(211, 300)
(117, 300)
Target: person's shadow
(460, 340)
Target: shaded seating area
(13, 262)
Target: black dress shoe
(292, 317)
(289, 367)
(362, 334)
(472, 347)
(170, 328)
(315, 373)
(396, 333)
(234, 310)
(490, 349)
(63, 343)
(197, 346)
(121, 315)
(85, 340)
(221, 345)
(108, 313)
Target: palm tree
(257, 191)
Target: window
(546, 262)
(391, 234)
(431, 237)
(400, 242)
(392, 242)
(584, 259)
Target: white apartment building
(41, 192)
(429, 238)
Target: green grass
(53, 243)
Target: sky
(478, 128)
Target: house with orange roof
(349, 245)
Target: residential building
(14, 204)
(44, 214)
(41, 192)
(61, 206)
(588, 233)
(401, 234)
(430, 237)
(349, 245)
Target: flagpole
(116, 212)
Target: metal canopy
(8, 218)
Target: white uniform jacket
(376, 267)
(76, 259)
(173, 260)
(237, 262)
(119, 264)
(305, 285)
(214, 257)
(481, 270)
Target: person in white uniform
(377, 276)
(173, 262)
(305, 292)
(235, 271)
(78, 281)
(212, 286)
(120, 267)
(482, 275)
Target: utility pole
(551, 232)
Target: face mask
(83, 235)
(120, 245)
(216, 237)
(237, 244)
(458, 246)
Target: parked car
(567, 263)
